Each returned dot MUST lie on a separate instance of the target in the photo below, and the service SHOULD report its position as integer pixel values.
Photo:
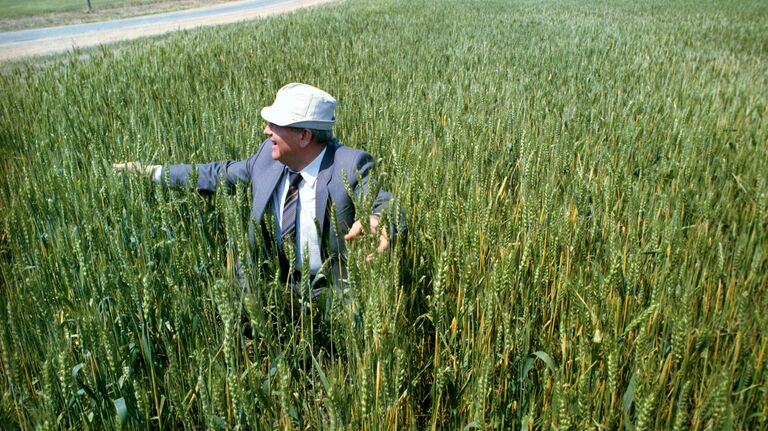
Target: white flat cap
(301, 105)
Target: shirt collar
(310, 172)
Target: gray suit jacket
(263, 174)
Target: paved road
(24, 43)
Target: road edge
(27, 49)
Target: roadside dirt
(55, 45)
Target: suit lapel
(321, 189)
(263, 192)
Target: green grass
(17, 8)
(24, 15)
(585, 187)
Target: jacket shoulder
(350, 159)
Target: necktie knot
(294, 178)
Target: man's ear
(306, 138)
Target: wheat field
(584, 184)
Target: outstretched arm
(207, 174)
(178, 175)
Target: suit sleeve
(209, 175)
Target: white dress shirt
(307, 234)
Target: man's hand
(135, 167)
(357, 229)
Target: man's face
(287, 144)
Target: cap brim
(280, 118)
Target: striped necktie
(288, 231)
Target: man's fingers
(127, 166)
(383, 243)
(383, 237)
(373, 223)
(355, 231)
(137, 167)
(383, 246)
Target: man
(298, 175)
